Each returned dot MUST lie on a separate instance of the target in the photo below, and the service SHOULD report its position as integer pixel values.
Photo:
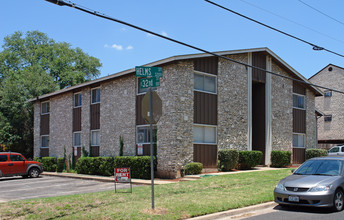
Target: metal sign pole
(151, 141)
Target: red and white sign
(122, 175)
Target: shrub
(228, 159)
(249, 159)
(48, 163)
(193, 168)
(310, 153)
(60, 164)
(95, 166)
(139, 166)
(280, 158)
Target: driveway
(18, 188)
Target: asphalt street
(18, 188)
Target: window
(143, 134)
(298, 140)
(204, 134)
(3, 158)
(328, 94)
(45, 141)
(45, 107)
(95, 96)
(77, 139)
(140, 90)
(205, 83)
(334, 150)
(328, 118)
(77, 100)
(95, 138)
(298, 101)
(16, 158)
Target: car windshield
(320, 167)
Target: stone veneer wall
(175, 128)
(310, 120)
(118, 116)
(281, 110)
(36, 129)
(61, 122)
(85, 118)
(330, 105)
(232, 130)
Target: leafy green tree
(31, 66)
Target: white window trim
(206, 74)
(304, 140)
(141, 126)
(78, 132)
(304, 98)
(92, 136)
(92, 95)
(42, 141)
(46, 113)
(206, 125)
(79, 106)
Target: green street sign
(143, 71)
(149, 82)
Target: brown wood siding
(258, 60)
(45, 124)
(206, 154)
(206, 65)
(76, 119)
(95, 151)
(139, 119)
(95, 116)
(44, 152)
(298, 155)
(299, 121)
(205, 108)
(298, 88)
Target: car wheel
(34, 173)
(338, 200)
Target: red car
(15, 164)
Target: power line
(321, 12)
(294, 22)
(315, 47)
(98, 14)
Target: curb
(233, 212)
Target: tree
(31, 66)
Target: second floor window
(95, 96)
(205, 83)
(77, 100)
(298, 101)
(45, 107)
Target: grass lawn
(172, 201)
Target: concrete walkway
(156, 181)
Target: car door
(341, 151)
(18, 162)
(4, 164)
(333, 151)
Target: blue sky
(192, 21)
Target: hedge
(310, 153)
(227, 159)
(102, 166)
(249, 159)
(48, 163)
(60, 166)
(139, 165)
(193, 168)
(280, 158)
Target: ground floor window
(77, 139)
(45, 141)
(204, 134)
(143, 134)
(95, 138)
(299, 140)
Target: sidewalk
(156, 181)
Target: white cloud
(163, 33)
(129, 47)
(106, 46)
(117, 47)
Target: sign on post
(149, 82)
(122, 175)
(143, 71)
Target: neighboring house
(208, 104)
(330, 126)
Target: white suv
(336, 150)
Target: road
(18, 188)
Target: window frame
(97, 130)
(43, 136)
(77, 94)
(96, 102)
(304, 101)
(48, 110)
(304, 140)
(327, 118)
(208, 75)
(148, 137)
(203, 126)
(74, 133)
(328, 93)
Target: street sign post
(143, 71)
(149, 82)
(157, 107)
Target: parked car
(318, 182)
(336, 150)
(15, 164)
